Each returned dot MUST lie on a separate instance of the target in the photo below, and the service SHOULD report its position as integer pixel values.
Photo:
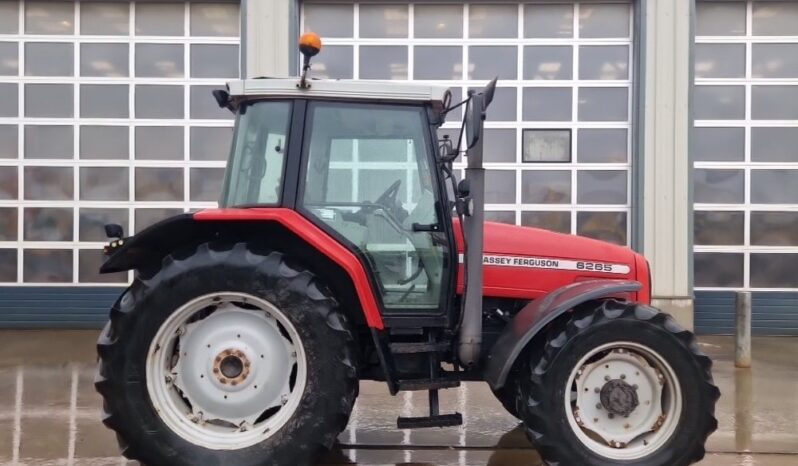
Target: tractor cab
(364, 169)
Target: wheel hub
(231, 366)
(618, 397)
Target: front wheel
(619, 384)
(508, 397)
(227, 355)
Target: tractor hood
(525, 263)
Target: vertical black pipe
(473, 230)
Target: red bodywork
(561, 256)
(528, 262)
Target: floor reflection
(511, 449)
(49, 412)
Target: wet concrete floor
(49, 412)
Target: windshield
(255, 170)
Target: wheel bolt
(611, 416)
(598, 406)
(634, 386)
(606, 378)
(597, 390)
(623, 376)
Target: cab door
(368, 180)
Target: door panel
(367, 178)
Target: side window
(368, 178)
(255, 170)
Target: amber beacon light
(310, 46)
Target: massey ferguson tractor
(345, 250)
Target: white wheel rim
(607, 427)
(226, 371)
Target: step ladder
(436, 381)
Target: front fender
(539, 313)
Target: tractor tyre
(226, 355)
(618, 383)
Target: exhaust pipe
(470, 343)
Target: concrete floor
(49, 412)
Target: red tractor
(344, 250)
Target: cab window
(255, 170)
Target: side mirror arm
(223, 99)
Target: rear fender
(273, 227)
(536, 315)
(152, 244)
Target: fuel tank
(525, 263)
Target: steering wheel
(389, 204)
(388, 199)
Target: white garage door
(558, 132)
(746, 145)
(746, 159)
(105, 116)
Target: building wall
(105, 116)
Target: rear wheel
(227, 355)
(619, 384)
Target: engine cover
(525, 263)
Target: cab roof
(336, 89)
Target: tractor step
(427, 384)
(442, 420)
(419, 347)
